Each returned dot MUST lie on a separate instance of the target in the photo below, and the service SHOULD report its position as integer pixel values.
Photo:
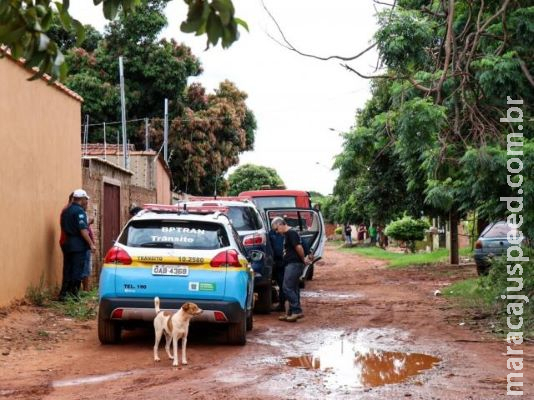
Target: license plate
(172, 270)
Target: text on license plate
(174, 270)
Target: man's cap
(80, 193)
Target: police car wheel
(237, 332)
(109, 332)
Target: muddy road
(368, 333)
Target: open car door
(309, 224)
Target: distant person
(294, 261)
(362, 232)
(277, 244)
(348, 234)
(372, 234)
(382, 238)
(77, 241)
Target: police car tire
(237, 332)
(109, 332)
(264, 302)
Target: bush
(339, 230)
(497, 282)
(408, 230)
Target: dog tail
(156, 304)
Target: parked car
(252, 231)
(179, 256)
(492, 242)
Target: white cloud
(296, 99)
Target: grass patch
(399, 260)
(481, 301)
(472, 292)
(81, 308)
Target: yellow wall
(40, 165)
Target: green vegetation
(431, 139)
(25, 27)
(407, 229)
(82, 308)
(252, 177)
(482, 296)
(398, 260)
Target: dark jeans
(279, 278)
(73, 263)
(292, 273)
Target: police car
(179, 255)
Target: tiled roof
(112, 149)
(21, 61)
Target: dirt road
(368, 333)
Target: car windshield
(244, 218)
(275, 202)
(174, 235)
(498, 230)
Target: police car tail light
(228, 258)
(219, 316)
(254, 240)
(478, 244)
(118, 256)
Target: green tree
(433, 128)
(24, 27)
(206, 131)
(252, 177)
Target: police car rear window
(175, 235)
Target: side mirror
(256, 255)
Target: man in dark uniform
(294, 261)
(77, 241)
(277, 243)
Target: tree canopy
(432, 139)
(206, 131)
(252, 177)
(25, 25)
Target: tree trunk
(453, 226)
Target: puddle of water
(92, 379)
(347, 364)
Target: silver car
(492, 242)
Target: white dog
(175, 326)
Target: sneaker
(287, 318)
(293, 317)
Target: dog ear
(186, 307)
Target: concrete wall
(39, 166)
(140, 196)
(96, 172)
